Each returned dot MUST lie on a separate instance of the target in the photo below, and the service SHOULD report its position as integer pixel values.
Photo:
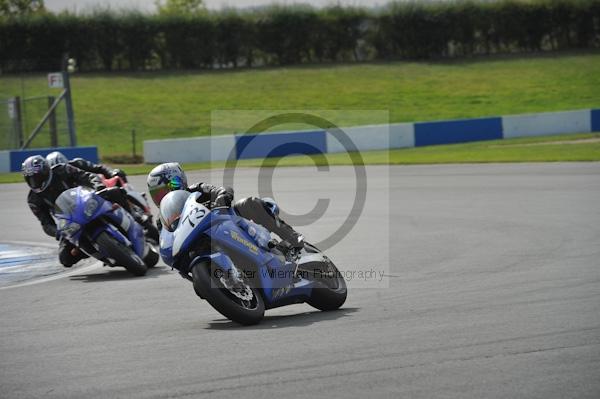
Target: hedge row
(292, 35)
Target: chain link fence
(20, 116)
(25, 107)
(8, 125)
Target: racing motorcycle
(138, 203)
(104, 230)
(235, 265)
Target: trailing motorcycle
(137, 202)
(235, 265)
(103, 230)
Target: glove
(194, 188)
(223, 201)
(120, 173)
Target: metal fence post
(17, 120)
(133, 142)
(52, 123)
(69, 106)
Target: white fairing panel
(193, 213)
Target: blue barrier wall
(280, 144)
(595, 120)
(458, 131)
(368, 138)
(18, 156)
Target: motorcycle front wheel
(236, 300)
(331, 291)
(122, 255)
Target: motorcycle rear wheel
(209, 287)
(152, 258)
(122, 255)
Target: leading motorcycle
(235, 265)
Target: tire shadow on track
(119, 274)
(284, 321)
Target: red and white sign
(55, 80)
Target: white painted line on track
(57, 276)
(29, 243)
(96, 264)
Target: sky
(149, 5)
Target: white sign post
(55, 80)
(12, 110)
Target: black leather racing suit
(64, 177)
(91, 167)
(252, 208)
(97, 168)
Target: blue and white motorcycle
(103, 230)
(234, 265)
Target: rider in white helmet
(168, 177)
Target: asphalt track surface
(493, 291)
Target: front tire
(123, 256)
(330, 293)
(211, 288)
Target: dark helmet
(37, 173)
(165, 178)
(56, 157)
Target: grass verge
(160, 105)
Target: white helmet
(165, 178)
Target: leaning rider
(56, 157)
(46, 184)
(170, 176)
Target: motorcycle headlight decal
(90, 207)
(71, 229)
(62, 224)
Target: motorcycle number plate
(193, 213)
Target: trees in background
(180, 7)
(183, 35)
(12, 8)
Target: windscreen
(171, 207)
(67, 201)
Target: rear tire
(122, 255)
(152, 232)
(209, 287)
(151, 259)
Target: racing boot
(256, 209)
(288, 234)
(150, 230)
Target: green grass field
(562, 148)
(168, 105)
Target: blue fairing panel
(229, 235)
(166, 247)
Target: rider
(56, 157)
(170, 176)
(46, 184)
